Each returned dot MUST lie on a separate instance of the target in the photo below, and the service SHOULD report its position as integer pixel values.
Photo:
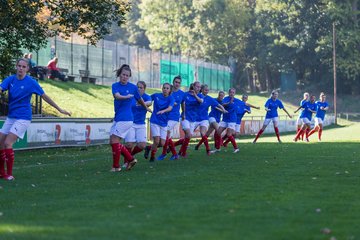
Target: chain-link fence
(153, 67)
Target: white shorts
(203, 123)
(121, 128)
(230, 125)
(185, 124)
(212, 120)
(237, 128)
(299, 121)
(158, 131)
(137, 134)
(275, 121)
(305, 120)
(171, 125)
(318, 121)
(15, 126)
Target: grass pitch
(267, 191)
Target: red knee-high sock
(9, 160)
(165, 147)
(116, 151)
(153, 152)
(172, 147)
(129, 149)
(206, 142)
(217, 140)
(277, 133)
(312, 132)
(184, 146)
(127, 156)
(224, 137)
(179, 142)
(2, 162)
(258, 135)
(136, 150)
(320, 132)
(301, 132)
(302, 135)
(226, 142)
(233, 142)
(200, 142)
(307, 133)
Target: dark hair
(24, 60)
(177, 77)
(123, 67)
(142, 83)
(203, 87)
(171, 87)
(191, 86)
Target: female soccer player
(123, 92)
(298, 121)
(203, 117)
(321, 107)
(137, 133)
(271, 106)
(163, 103)
(192, 101)
(308, 109)
(20, 87)
(174, 117)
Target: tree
(28, 23)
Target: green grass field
(267, 191)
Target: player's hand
(129, 95)
(65, 112)
(148, 109)
(226, 111)
(160, 112)
(290, 116)
(258, 108)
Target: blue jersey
(321, 113)
(242, 109)
(20, 92)
(139, 111)
(301, 103)
(204, 108)
(191, 107)
(306, 113)
(232, 108)
(273, 105)
(215, 113)
(178, 96)
(160, 102)
(122, 108)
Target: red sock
(200, 142)
(165, 147)
(10, 160)
(153, 152)
(206, 142)
(258, 135)
(312, 132)
(2, 162)
(217, 140)
(127, 156)
(136, 150)
(129, 149)
(300, 133)
(226, 142)
(184, 146)
(116, 151)
(224, 137)
(179, 142)
(320, 132)
(307, 133)
(277, 133)
(172, 147)
(233, 142)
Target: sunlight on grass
(26, 229)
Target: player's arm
(221, 108)
(183, 110)
(168, 109)
(250, 105)
(296, 109)
(54, 105)
(200, 100)
(121, 97)
(287, 112)
(142, 103)
(148, 103)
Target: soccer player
(137, 133)
(20, 88)
(322, 107)
(174, 117)
(308, 109)
(163, 103)
(271, 106)
(203, 117)
(124, 93)
(192, 101)
(239, 115)
(298, 121)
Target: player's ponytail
(123, 67)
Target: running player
(163, 103)
(123, 92)
(174, 117)
(192, 101)
(308, 109)
(298, 121)
(20, 87)
(271, 106)
(203, 117)
(321, 107)
(137, 133)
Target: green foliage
(30, 22)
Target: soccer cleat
(152, 159)
(168, 150)
(254, 142)
(225, 144)
(131, 164)
(215, 151)
(319, 140)
(9, 178)
(208, 152)
(161, 157)
(174, 157)
(115, 170)
(236, 150)
(197, 147)
(125, 165)
(307, 140)
(146, 152)
(279, 141)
